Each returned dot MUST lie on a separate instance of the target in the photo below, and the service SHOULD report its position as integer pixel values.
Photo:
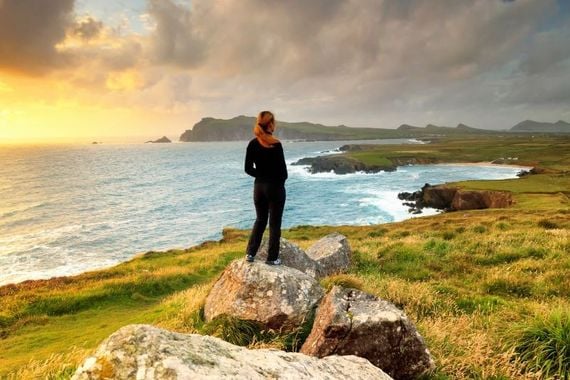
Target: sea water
(65, 209)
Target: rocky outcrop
(291, 255)
(449, 198)
(480, 199)
(161, 140)
(144, 352)
(340, 164)
(344, 164)
(332, 254)
(532, 171)
(278, 297)
(439, 197)
(350, 322)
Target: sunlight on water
(67, 209)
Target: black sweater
(269, 162)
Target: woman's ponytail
(264, 128)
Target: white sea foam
(80, 208)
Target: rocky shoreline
(450, 198)
(342, 164)
(441, 197)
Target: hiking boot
(273, 262)
(250, 258)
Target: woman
(265, 161)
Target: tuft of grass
(233, 330)
(252, 334)
(480, 229)
(502, 226)
(484, 305)
(547, 224)
(543, 344)
(57, 366)
(344, 280)
(378, 232)
(509, 287)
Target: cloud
(87, 28)
(357, 62)
(30, 31)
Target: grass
(464, 289)
(544, 344)
(488, 289)
(547, 152)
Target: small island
(161, 140)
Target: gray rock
(351, 322)
(275, 296)
(291, 255)
(145, 352)
(331, 253)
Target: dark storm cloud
(358, 62)
(176, 40)
(297, 38)
(368, 60)
(29, 31)
(87, 29)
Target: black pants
(269, 200)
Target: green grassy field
(547, 152)
(488, 289)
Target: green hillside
(240, 128)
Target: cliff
(240, 128)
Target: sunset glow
(131, 70)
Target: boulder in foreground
(351, 322)
(146, 352)
(277, 297)
(331, 253)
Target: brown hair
(264, 128)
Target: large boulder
(145, 352)
(278, 297)
(291, 255)
(331, 253)
(351, 322)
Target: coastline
(207, 241)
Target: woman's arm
(282, 164)
(248, 167)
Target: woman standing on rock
(264, 160)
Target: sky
(131, 70)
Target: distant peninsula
(240, 127)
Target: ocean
(65, 209)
